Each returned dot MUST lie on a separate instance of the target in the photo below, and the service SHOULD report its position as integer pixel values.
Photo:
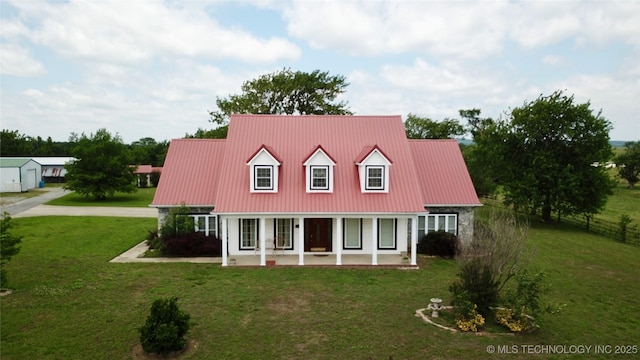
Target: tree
(102, 166)
(629, 163)
(285, 92)
(8, 246)
(165, 328)
(543, 156)
(481, 166)
(425, 128)
(148, 151)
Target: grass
(624, 201)
(141, 198)
(69, 302)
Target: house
(19, 174)
(143, 173)
(53, 170)
(319, 185)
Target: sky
(155, 68)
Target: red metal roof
(190, 173)
(205, 172)
(444, 178)
(291, 137)
(143, 169)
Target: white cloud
(130, 33)
(16, 61)
(372, 28)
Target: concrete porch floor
(135, 255)
(319, 260)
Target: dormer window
(264, 177)
(373, 168)
(375, 177)
(319, 167)
(263, 170)
(319, 178)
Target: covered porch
(319, 239)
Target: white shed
(19, 174)
(53, 170)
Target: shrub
(471, 321)
(178, 222)
(153, 239)
(476, 285)
(439, 243)
(165, 327)
(522, 304)
(8, 246)
(192, 244)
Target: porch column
(338, 240)
(301, 241)
(225, 246)
(414, 239)
(374, 241)
(262, 234)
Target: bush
(439, 243)
(192, 244)
(522, 304)
(178, 222)
(475, 285)
(154, 241)
(165, 327)
(8, 246)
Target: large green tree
(629, 163)
(543, 153)
(284, 92)
(424, 128)
(103, 166)
(478, 158)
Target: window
(207, 224)
(441, 222)
(264, 178)
(284, 233)
(352, 229)
(386, 233)
(319, 178)
(248, 234)
(421, 227)
(375, 178)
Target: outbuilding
(19, 174)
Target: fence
(597, 226)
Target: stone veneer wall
(465, 221)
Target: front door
(317, 235)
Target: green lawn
(141, 198)
(69, 302)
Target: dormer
(264, 166)
(319, 166)
(373, 170)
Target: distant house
(53, 170)
(144, 172)
(319, 185)
(19, 174)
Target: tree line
(539, 155)
(145, 151)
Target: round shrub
(439, 243)
(165, 327)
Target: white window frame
(395, 234)
(252, 234)
(345, 229)
(369, 177)
(210, 225)
(312, 174)
(257, 178)
(279, 226)
(442, 222)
